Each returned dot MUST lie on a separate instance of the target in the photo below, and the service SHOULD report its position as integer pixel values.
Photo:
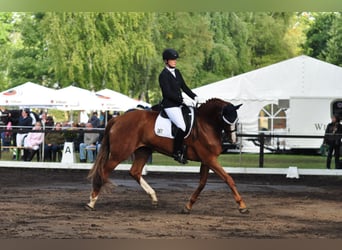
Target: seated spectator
(54, 143)
(88, 146)
(6, 136)
(79, 136)
(32, 142)
(94, 120)
(24, 122)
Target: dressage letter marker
(68, 153)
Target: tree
(333, 53)
(6, 30)
(29, 61)
(230, 54)
(318, 34)
(122, 50)
(101, 50)
(189, 34)
(267, 39)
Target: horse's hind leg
(98, 180)
(204, 172)
(141, 156)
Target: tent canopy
(29, 94)
(74, 98)
(113, 100)
(69, 98)
(299, 76)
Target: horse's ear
(238, 106)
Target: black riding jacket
(171, 88)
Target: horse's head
(230, 118)
(222, 115)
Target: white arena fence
(290, 172)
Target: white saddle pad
(163, 126)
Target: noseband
(230, 123)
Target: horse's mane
(211, 107)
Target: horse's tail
(96, 172)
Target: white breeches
(176, 116)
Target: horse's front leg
(204, 172)
(217, 168)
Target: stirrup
(180, 158)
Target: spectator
(102, 118)
(94, 120)
(332, 138)
(101, 132)
(54, 143)
(88, 146)
(32, 142)
(25, 122)
(6, 136)
(43, 119)
(79, 138)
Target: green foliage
(318, 34)
(323, 37)
(6, 27)
(267, 40)
(122, 50)
(28, 60)
(334, 44)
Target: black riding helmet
(170, 54)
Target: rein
(195, 127)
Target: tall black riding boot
(178, 149)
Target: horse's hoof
(185, 210)
(89, 208)
(155, 204)
(244, 210)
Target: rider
(171, 83)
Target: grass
(241, 160)
(252, 160)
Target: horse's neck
(210, 111)
(210, 117)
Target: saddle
(165, 128)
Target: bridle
(232, 124)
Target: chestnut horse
(133, 132)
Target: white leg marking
(92, 201)
(148, 190)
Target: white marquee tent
(119, 102)
(69, 98)
(29, 95)
(299, 77)
(74, 98)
